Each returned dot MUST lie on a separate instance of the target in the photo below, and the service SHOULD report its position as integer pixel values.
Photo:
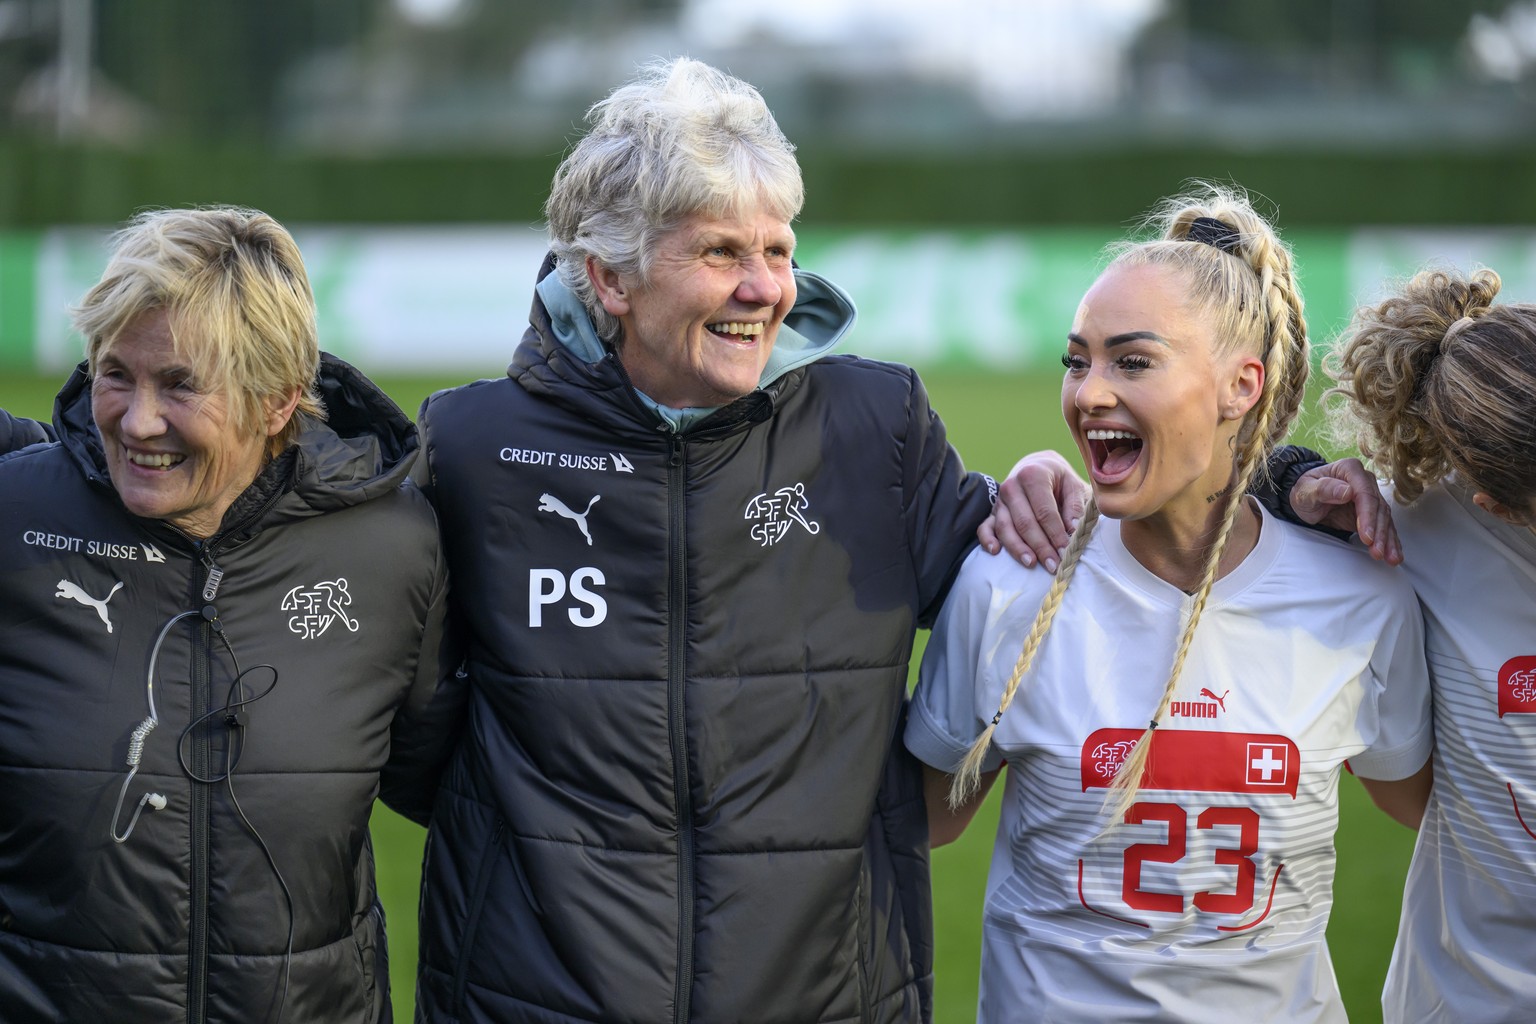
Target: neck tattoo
(1212, 498)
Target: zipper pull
(215, 577)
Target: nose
(144, 416)
(760, 285)
(1094, 393)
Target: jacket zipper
(202, 821)
(197, 939)
(677, 713)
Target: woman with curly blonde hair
(1176, 703)
(1438, 389)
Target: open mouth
(1113, 453)
(161, 462)
(733, 330)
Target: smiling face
(698, 330)
(174, 452)
(1152, 405)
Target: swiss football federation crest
(1517, 686)
(316, 608)
(774, 514)
(1108, 757)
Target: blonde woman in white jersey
(1176, 703)
(1439, 385)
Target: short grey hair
(683, 139)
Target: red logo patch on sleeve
(1517, 686)
(1191, 761)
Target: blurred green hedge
(46, 184)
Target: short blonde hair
(236, 297)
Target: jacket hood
(823, 313)
(364, 448)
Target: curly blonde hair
(1438, 378)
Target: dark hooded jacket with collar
(17, 433)
(332, 598)
(682, 794)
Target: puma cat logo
(71, 591)
(550, 503)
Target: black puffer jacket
(16, 432)
(332, 576)
(682, 794)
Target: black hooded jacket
(682, 794)
(331, 599)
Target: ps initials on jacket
(682, 793)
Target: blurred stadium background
(965, 163)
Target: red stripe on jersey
(1274, 884)
(1518, 816)
(1192, 761)
(1517, 686)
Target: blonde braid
(967, 776)
(1286, 365)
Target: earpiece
(155, 800)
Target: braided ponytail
(1249, 287)
(1240, 276)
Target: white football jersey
(1466, 945)
(1209, 901)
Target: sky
(1023, 58)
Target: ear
(1243, 388)
(609, 286)
(277, 410)
(1499, 510)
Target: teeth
(1111, 435)
(156, 461)
(732, 327)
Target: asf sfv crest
(315, 608)
(774, 514)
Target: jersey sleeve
(952, 684)
(1402, 734)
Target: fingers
(1383, 543)
(1315, 495)
(1344, 496)
(1017, 520)
(1037, 508)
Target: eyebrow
(1121, 339)
(734, 239)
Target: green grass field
(992, 418)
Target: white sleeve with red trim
(993, 601)
(1396, 716)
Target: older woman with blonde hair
(206, 669)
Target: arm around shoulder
(430, 720)
(943, 502)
